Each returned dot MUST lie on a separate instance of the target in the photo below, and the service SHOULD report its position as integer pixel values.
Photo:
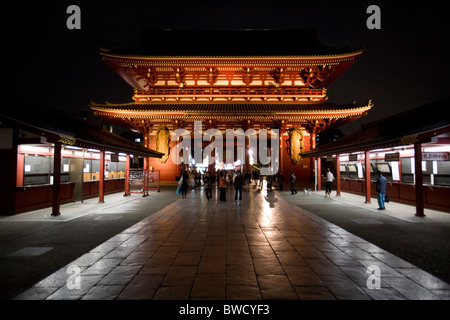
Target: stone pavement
(261, 248)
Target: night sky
(405, 64)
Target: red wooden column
(19, 170)
(146, 163)
(56, 179)
(312, 163)
(319, 174)
(101, 178)
(367, 175)
(419, 179)
(246, 155)
(338, 175)
(127, 177)
(145, 176)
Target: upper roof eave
(350, 54)
(322, 109)
(417, 125)
(231, 43)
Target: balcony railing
(230, 91)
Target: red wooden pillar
(338, 175)
(144, 177)
(56, 179)
(246, 155)
(367, 175)
(127, 177)
(419, 179)
(101, 178)
(19, 171)
(282, 152)
(312, 163)
(146, 163)
(319, 174)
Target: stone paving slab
(260, 248)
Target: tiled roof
(229, 43)
(230, 108)
(417, 125)
(56, 125)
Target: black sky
(405, 64)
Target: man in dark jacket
(381, 190)
(238, 183)
(208, 184)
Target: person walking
(248, 178)
(256, 177)
(329, 183)
(261, 181)
(184, 185)
(208, 180)
(293, 178)
(381, 190)
(269, 179)
(281, 180)
(222, 186)
(238, 184)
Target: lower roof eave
(353, 148)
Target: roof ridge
(250, 42)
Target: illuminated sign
(435, 156)
(388, 157)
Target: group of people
(239, 181)
(222, 178)
(225, 179)
(381, 185)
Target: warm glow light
(72, 147)
(33, 149)
(437, 149)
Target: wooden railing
(227, 91)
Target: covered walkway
(265, 247)
(419, 129)
(33, 129)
